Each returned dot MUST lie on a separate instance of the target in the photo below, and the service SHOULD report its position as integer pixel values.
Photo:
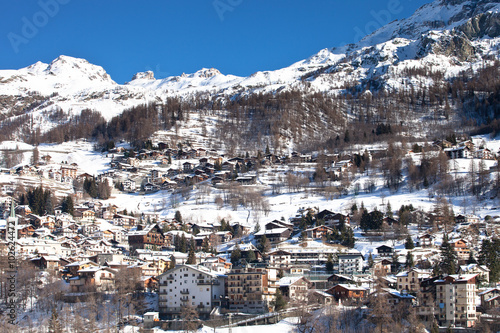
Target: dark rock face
(452, 46)
(482, 25)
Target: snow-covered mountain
(447, 36)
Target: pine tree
(67, 205)
(409, 261)
(409, 245)
(183, 244)
(236, 254)
(264, 245)
(279, 302)
(365, 222)
(205, 245)
(250, 256)
(178, 216)
(488, 255)
(448, 264)
(370, 260)
(191, 260)
(329, 264)
(388, 211)
(395, 262)
(347, 236)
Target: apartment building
(251, 289)
(455, 300)
(190, 286)
(351, 263)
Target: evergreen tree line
(97, 190)
(40, 201)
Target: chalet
(485, 154)
(150, 237)
(385, 251)
(240, 229)
(335, 279)
(246, 180)
(93, 278)
(382, 267)
(187, 167)
(275, 235)
(278, 224)
(394, 298)
(46, 262)
(348, 292)
(410, 280)
(425, 240)
(134, 162)
(23, 210)
(170, 236)
(482, 271)
(74, 267)
(150, 187)
(461, 248)
(320, 297)
(389, 221)
(333, 219)
(469, 218)
(295, 288)
(25, 230)
(490, 298)
(319, 232)
(217, 264)
(84, 176)
(245, 249)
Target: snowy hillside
(446, 36)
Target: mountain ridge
(447, 36)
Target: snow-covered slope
(445, 35)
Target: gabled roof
(351, 287)
(289, 280)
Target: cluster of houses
(465, 149)
(92, 249)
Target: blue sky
(168, 37)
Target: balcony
(184, 298)
(170, 277)
(210, 282)
(185, 292)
